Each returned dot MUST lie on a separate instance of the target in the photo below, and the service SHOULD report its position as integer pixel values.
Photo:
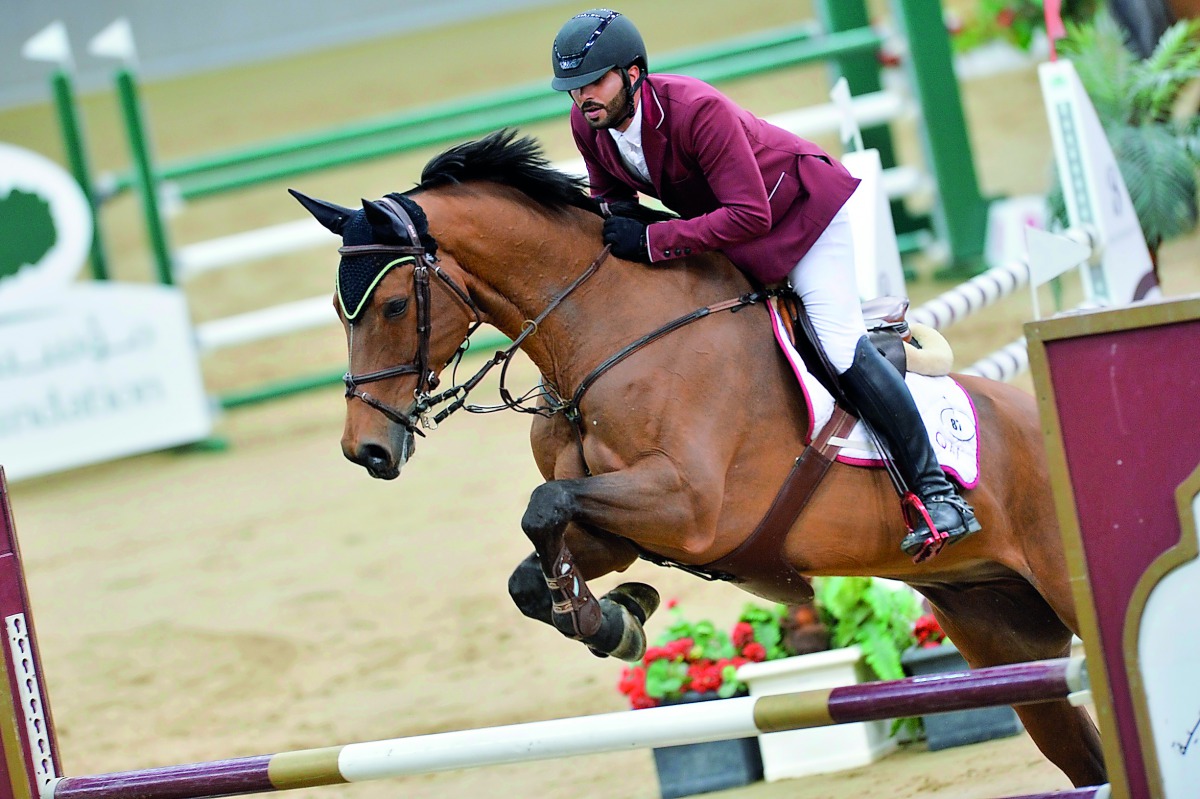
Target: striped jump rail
(1017, 684)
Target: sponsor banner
(100, 371)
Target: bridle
(419, 417)
(427, 379)
(423, 263)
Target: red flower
(888, 58)
(641, 701)
(671, 603)
(743, 633)
(928, 632)
(633, 685)
(755, 651)
(680, 647)
(704, 676)
(632, 680)
(654, 653)
(1005, 18)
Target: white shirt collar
(629, 145)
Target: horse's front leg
(624, 609)
(624, 503)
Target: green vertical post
(147, 180)
(861, 71)
(72, 134)
(961, 214)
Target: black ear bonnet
(392, 222)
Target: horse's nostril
(373, 455)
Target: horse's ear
(384, 225)
(331, 216)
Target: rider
(771, 201)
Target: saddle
(757, 565)
(887, 329)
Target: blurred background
(260, 593)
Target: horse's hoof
(632, 646)
(638, 598)
(620, 636)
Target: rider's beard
(614, 110)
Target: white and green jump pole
(847, 40)
(53, 45)
(116, 41)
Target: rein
(456, 396)
(570, 409)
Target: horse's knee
(551, 506)
(528, 590)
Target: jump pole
(1017, 684)
(31, 767)
(30, 759)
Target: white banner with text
(101, 371)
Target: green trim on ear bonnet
(360, 285)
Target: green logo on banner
(29, 231)
(45, 229)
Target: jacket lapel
(654, 135)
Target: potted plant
(933, 653)
(693, 661)
(1156, 145)
(869, 622)
(875, 615)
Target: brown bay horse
(677, 448)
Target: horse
(664, 423)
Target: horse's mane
(503, 158)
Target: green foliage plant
(870, 614)
(1156, 148)
(1018, 22)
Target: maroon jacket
(756, 192)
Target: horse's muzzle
(380, 461)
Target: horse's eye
(395, 308)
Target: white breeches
(824, 280)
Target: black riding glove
(627, 237)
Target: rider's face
(605, 99)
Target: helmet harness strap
(630, 106)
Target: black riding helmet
(591, 44)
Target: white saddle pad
(944, 405)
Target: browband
(384, 249)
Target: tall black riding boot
(881, 399)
